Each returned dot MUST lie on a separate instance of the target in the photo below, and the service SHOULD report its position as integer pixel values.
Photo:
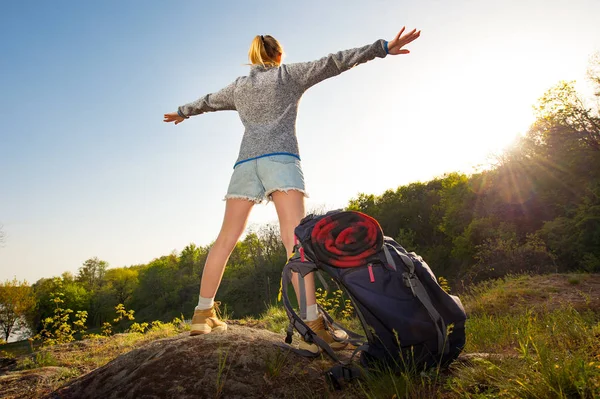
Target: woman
(268, 166)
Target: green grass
(526, 355)
(275, 319)
(222, 372)
(87, 354)
(275, 362)
(556, 355)
(15, 349)
(503, 295)
(39, 359)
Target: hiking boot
(205, 321)
(327, 335)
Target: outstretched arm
(219, 101)
(308, 74)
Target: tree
(156, 296)
(121, 283)
(91, 274)
(91, 277)
(16, 303)
(561, 107)
(504, 255)
(191, 262)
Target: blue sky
(88, 168)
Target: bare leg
(234, 223)
(290, 211)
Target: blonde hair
(264, 51)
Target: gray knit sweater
(267, 99)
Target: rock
(240, 363)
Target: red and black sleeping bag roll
(347, 239)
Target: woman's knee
(227, 239)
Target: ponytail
(264, 51)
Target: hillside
(528, 336)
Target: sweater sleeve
(220, 101)
(307, 74)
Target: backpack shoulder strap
(296, 322)
(412, 281)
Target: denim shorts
(256, 179)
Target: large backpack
(409, 321)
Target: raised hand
(173, 117)
(395, 45)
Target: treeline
(537, 210)
(168, 287)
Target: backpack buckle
(407, 277)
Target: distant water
(19, 334)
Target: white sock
(311, 313)
(205, 303)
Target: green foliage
(501, 256)
(138, 328)
(73, 295)
(251, 280)
(37, 360)
(179, 322)
(191, 261)
(457, 199)
(91, 274)
(158, 291)
(335, 303)
(573, 239)
(121, 283)
(79, 322)
(591, 263)
(443, 282)
(561, 106)
(60, 328)
(157, 324)
(107, 328)
(123, 314)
